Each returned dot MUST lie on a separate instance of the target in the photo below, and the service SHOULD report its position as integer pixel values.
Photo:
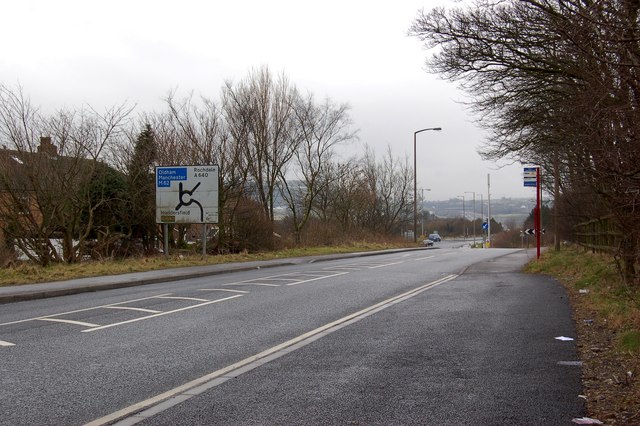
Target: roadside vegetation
(30, 273)
(607, 317)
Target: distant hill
(503, 210)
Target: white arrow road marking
(3, 343)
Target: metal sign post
(532, 179)
(537, 218)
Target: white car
(427, 242)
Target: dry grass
(27, 273)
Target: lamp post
(415, 183)
(474, 216)
(464, 218)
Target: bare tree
(557, 82)
(260, 113)
(57, 172)
(203, 137)
(321, 128)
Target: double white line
(142, 410)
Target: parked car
(435, 238)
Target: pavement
(18, 293)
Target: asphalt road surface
(435, 336)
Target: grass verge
(606, 312)
(27, 273)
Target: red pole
(536, 219)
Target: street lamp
(464, 218)
(474, 216)
(415, 183)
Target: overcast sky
(74, 52)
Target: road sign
(532, 231)
(485, 226)
(531, 176)
(187, 194)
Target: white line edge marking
(5, 344)
(142, 405)
(102, 327)
(82, 310)
(84, 324)
(224, 289)
(131, 308)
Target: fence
(599, 235)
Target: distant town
(508, 211)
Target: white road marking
(195, 299)
(131, 308)
(280, 279)
(382, 266)
(84, 324)
(347, 267)
(250, 283)
(224, 289)
(136, 413)
(423, 258)
(3, 343)
(312, 274)
(317, 278)
(448, 254)
(81, 310)
(159, 314)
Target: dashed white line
(3, 343)
(224, 289)
(84, 324)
